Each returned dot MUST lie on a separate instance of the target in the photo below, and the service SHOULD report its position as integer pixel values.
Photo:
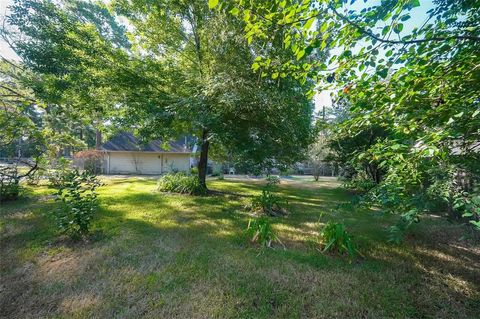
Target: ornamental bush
(77, 192)
(181, 183)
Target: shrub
(181, 183)
(260, 231)
(77, 192)
(60, 169)
(335, 238)
(10, 188)
(272, 180)
(90, 160)
(468, 204)
(360, 183)
(269, 204)
(396, 233)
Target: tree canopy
(185, 69)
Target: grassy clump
(260, 231)
(268, 202)
(181, 183)
(335, 238)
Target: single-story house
(125, 154)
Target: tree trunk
(98, 139)
(202, 163)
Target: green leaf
(212, 3)
(275, 75)
(300, 54)
(385, 30)
(383, 73)
(234, 11)
(398, 28)
(309, 23)
(414, 3)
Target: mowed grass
(160, 255)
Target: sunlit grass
(165, 255)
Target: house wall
(145, 163)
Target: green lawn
(171, 256)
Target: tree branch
(414, 41)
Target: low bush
(260, 231)
(269, 204)
(272, 180)
(468, 204)
(91, 160)
(181, 183)
(335, 238)
(59, 170)
(396, 233)
(10, 188)
(77, 192)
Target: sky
(5, 50)
(321, 99)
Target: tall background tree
(186, 70)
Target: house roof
(127, 142)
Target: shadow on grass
(175, 255)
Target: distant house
(125, 154)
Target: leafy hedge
(181, 183)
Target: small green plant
(468, 204)
(77, 192)
(10, 188)
(396, 233)
(260, 231)
(181, 183)
(269, 204)
(272, 180)
(335, 238)
(60, 168)
(360, 184)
